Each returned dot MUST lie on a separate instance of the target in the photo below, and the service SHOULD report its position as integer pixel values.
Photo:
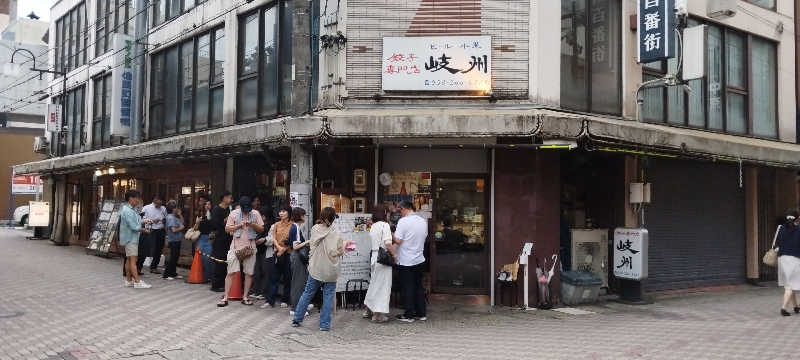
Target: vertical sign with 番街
(655, 30)
(122, 85)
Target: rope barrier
(211, 257)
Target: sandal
(222, 303)
(247, 302)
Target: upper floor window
(769, 4)
(101, 109)
(591, 50)
(74, 119)
(186, 85)
(264, 50)
(113, 16)
(164, 10)
(71, 39)
(738, 94)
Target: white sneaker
(310, 307)
(179, 277)
(169, 278)
(284, 305)
(142, 285)
(128, 283)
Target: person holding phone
(245, 223)
(282, 271)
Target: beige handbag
(771, 257)
(192, 235)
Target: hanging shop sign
(122, 85)
(26, 184)
(656, 30)
(437, 63)
(53, 118)
(630, 253)
(38, 213)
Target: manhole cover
(13, 314)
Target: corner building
(463, 108)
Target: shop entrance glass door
(460, 241)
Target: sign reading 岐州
(122, 86)
(437, 63)
(656, 30)
(630, 253)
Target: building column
(631, 176)
(544, 77)
(751, 222)
(301, 57)
(59, 233)
(301, 185)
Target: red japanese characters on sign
(26, 184)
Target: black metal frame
(102, 46)
(726, 89)
(212, 87)
(65, 59)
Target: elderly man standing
(156, 214)
(129, 228)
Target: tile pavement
(59, 303)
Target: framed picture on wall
(359, 204)
(360, 181)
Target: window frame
(73, 140)
(725, 90)
(167, 16)
(154, 102)
(259, 74)
(773, 8)
(70, 46)
(99, 105)
(104, 17)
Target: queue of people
(276, 255)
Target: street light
(33, 68)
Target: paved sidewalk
(59, 303)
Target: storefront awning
(210, 141)
(546, 123)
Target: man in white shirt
(412, 230)
(156, 213)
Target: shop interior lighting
(112, 171)
(559, 144)
(98, 173)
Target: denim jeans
(281, 273)
(326, 311)
(204, 245)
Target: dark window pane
(187, 85)
(156, 78)
(285, 54)
(269, 72)
(159, 12)
(736, 60)
(188, 4)
(763, 79)
(171, 91)
(737, 113)
(573, 55)
(217, 95)
(77, 140)
(715, 111)
(97, 135)
(79, 35)
(769, 4)
(697, 107)
(249, 34)
(248, 98)
(203, 77)
(653, 107)
(107, 110)
(606, 79)
(69, 119)
(174, 8)
(156, 120)
(59, 34)
(675, 97)
(97, 121)
(219, 56)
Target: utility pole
(138, 69)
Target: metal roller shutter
(696, 225)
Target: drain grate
(13, 314)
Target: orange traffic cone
(196, 272)
(236, 287)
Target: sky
(40, 7)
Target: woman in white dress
(380, 284)
(788, 242)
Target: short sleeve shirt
(242, 237)
(173, 221)
(412, 230)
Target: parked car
(21, 215)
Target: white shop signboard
(437, 63)
(630, 253)
(355, 265)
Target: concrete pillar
(231, 69)
(544, 78)
(301, 185)
(751, 222)
(631, 170)
(59, 233)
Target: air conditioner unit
(721, 9)
(590, 252)
(40, 145)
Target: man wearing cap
(245, 224)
